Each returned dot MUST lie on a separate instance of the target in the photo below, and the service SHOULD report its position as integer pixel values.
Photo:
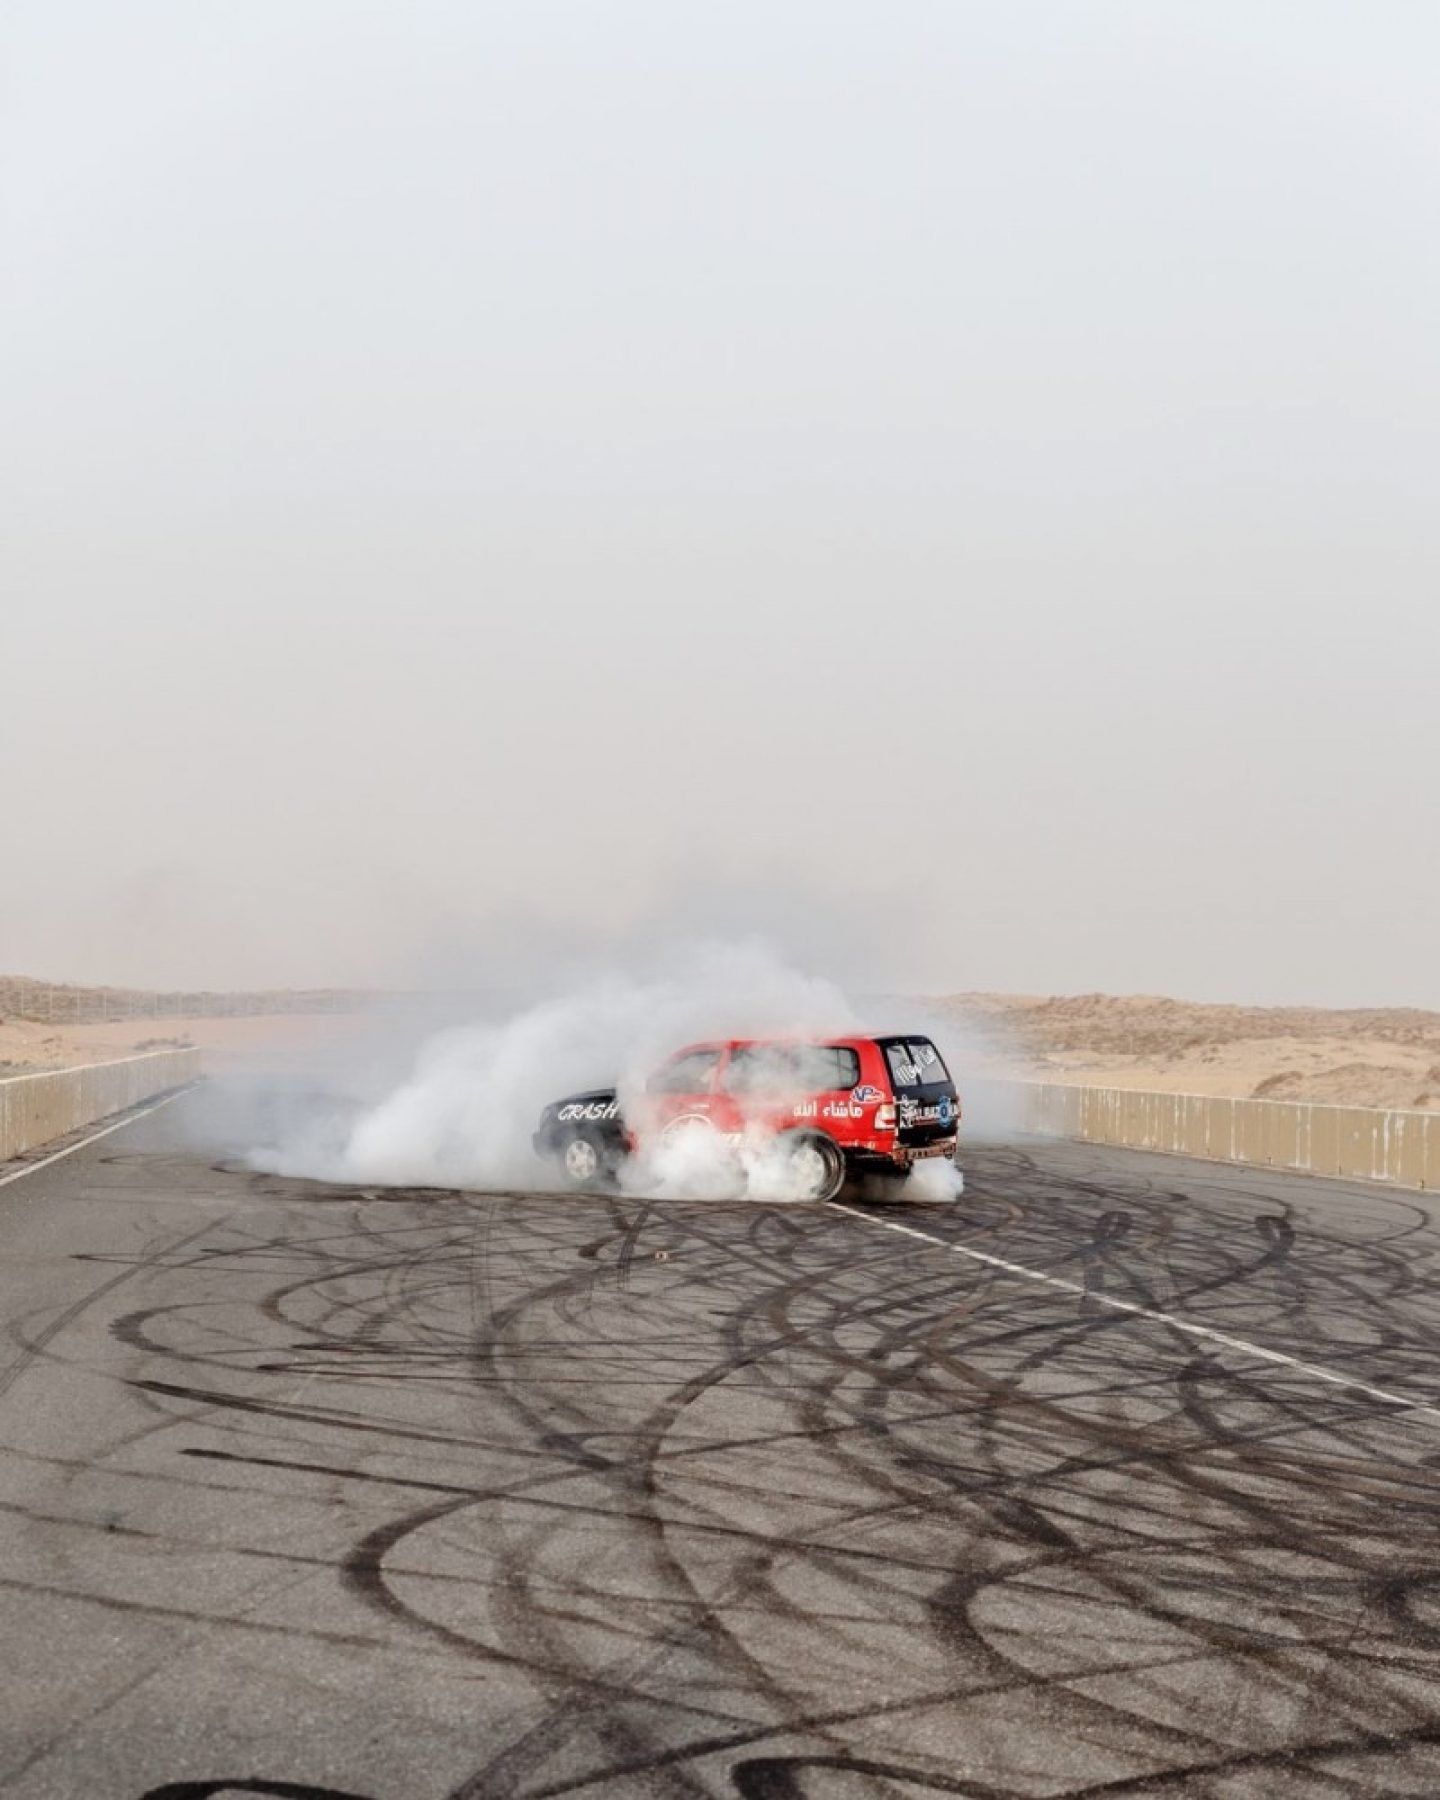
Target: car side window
(783, 1069)
(690, 1074)
(754, 1070)
(846, 1069)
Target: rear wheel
(882, 1185)
(815, 1167)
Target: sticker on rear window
(915, 1062)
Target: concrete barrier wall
(1354, 1141)
(36, 1108)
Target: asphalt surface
(438, 1496)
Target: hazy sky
(953, 484)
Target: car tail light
(885, 1118)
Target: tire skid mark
(761, 1515)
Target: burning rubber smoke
(464, 1115)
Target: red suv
(829, 1106)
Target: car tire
(881, 1187)
(812, 1150)
(584, 1162)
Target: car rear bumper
(903, 1156)
(913, 1153)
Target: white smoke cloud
(464, 1114)
(697, 1163)
(935, 1180)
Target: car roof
(780, 1039)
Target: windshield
(915, 1062)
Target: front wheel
(814, 1167)
(583, 1162)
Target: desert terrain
(1380, 1057)
(31, 1047)
(1385, 1057)
(47, 1025)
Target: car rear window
(792, 1068)
(915, 1062)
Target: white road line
(1147, 1312)
(94, 1138)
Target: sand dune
(1384, 1057)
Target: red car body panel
(863, 1111)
